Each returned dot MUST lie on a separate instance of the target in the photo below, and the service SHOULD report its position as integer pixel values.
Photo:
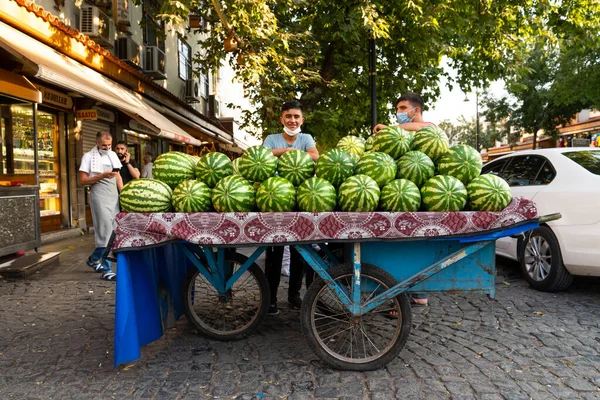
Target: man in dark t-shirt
(130, 168)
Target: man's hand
(378, 127)
(109, 174)
(127, 157)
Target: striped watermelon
(192, 196)
(335, 165)
(489, 192)
(296, 166)
(258, 163)
(236, 166)
(213, 167)
(462, 162)
(392, 140)
(276, 194)
(353, 145)
(379, 166)
(443, 193)
(359, 193)
(400, 195)
(416, 167)
(173, 168)
(432, 141)
(233, 194)
(369, 143)
(145, 195)
(316, 195)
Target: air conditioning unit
(97, 25)
(129, 50)
(155, 63)
(192, 90)
(214, 106)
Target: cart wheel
(227, 317)
(353, 343)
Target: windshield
(589, 160)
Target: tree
(464, 131)
(316, 51)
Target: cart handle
(550, 217)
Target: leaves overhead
(317, 51)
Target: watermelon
(379, 166)
(335, 165)
(489, 192)
(296, 166)
(432, 141)
(145, 195)
(400, 195)
(393, 141)
(258, 163)
(316, 195)
(173, 168)
(369, 143)
(359, 193)
(192, 196)
(443, 193)
(276, 194)
(213, 167)
(233, 194)
(416, 167)
(236, 166)
(353, 145)
(462, 162)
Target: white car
(561, 180)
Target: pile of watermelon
(394, 170)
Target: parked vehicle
(565, 180)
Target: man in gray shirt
(291, 138)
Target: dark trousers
(273, 261)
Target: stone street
(56, 342)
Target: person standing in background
(147, 170)
(130, 169)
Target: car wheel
(541, 261)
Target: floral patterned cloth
(137, 230)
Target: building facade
(98, 65)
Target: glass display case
(47, 129)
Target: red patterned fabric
(254, 228)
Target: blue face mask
(403, 117)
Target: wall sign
(142, 128)
(55, 98)
(86, 114)
(105, 115)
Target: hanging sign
(53, 97)
(86, 114)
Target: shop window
(185, 59)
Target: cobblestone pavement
(56, 342)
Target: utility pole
(477, 120)
(373, 82)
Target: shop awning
(63, 71)
(19, 87)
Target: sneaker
(295, 302)
(273, 309)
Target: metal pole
(477, 120)
(373, 82)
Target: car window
(589, 160)
(522, 170)
(546, 174)
(493, 167)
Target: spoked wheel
(360, 343)
(541, 261)
(229, 316)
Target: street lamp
(476, 117)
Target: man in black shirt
(130, 168)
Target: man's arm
(409, 126)
(278, 152)
(85, 179)
(313, 153)
(135, 172)
(119, 182)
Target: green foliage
(316, 50)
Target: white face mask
(102, 152)
(291, 132)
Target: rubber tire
(559, 278)
(366, 271)
(263, 284)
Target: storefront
(19, 184)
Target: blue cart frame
(150, 295)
